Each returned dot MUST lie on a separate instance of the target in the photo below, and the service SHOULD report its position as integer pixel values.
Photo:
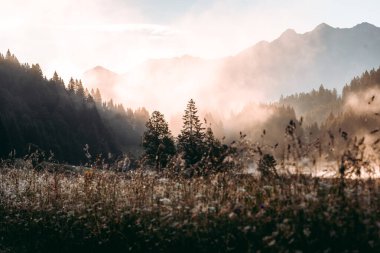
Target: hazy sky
(75, 35)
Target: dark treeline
(195, 148)
(37, 113)
(314, 106)
(334, 123)
(319, 105)
(355, 112)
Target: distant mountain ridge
(326, 55)
(103, 78)
(291, 63)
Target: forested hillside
(44, 114)
(41, 113)
(322, 119)
(314, 106)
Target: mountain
(102, 78)
(299, 62)
(291, 63)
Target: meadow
(144, 211)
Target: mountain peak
(288, 33)
(100, 69)
(323, 27)
(365, 25)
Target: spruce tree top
(191, 123)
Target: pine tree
(71, 86)
(190, 140)
(12, 58)
(97, 97)
(36, 71)
(213, 147)
(120, 109)
(57, 80)
(86, 93)
(55, 77)
(158, 142)
(8, 55)
(78, 87)
(214, 153)
(110, 104)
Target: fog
(225, 87)
(133, 38)
(366, 102)
(73, 36)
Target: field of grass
(140, 211)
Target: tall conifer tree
(158, 142)
(190, 140)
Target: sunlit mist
(72, 37)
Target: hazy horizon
(71, 37)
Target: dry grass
(141, 211)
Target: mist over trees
(314, 106)
(321, 120)
(41, 113)
(37, 113)
(292, 63)
(195, 147)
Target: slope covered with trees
(41, 113)
(314, 106)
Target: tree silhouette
(215, 151)
(191, 138)
(57, 80)
(97, 96)
(71, 86)
(42, 112)
(79, 90)
(158, 142)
